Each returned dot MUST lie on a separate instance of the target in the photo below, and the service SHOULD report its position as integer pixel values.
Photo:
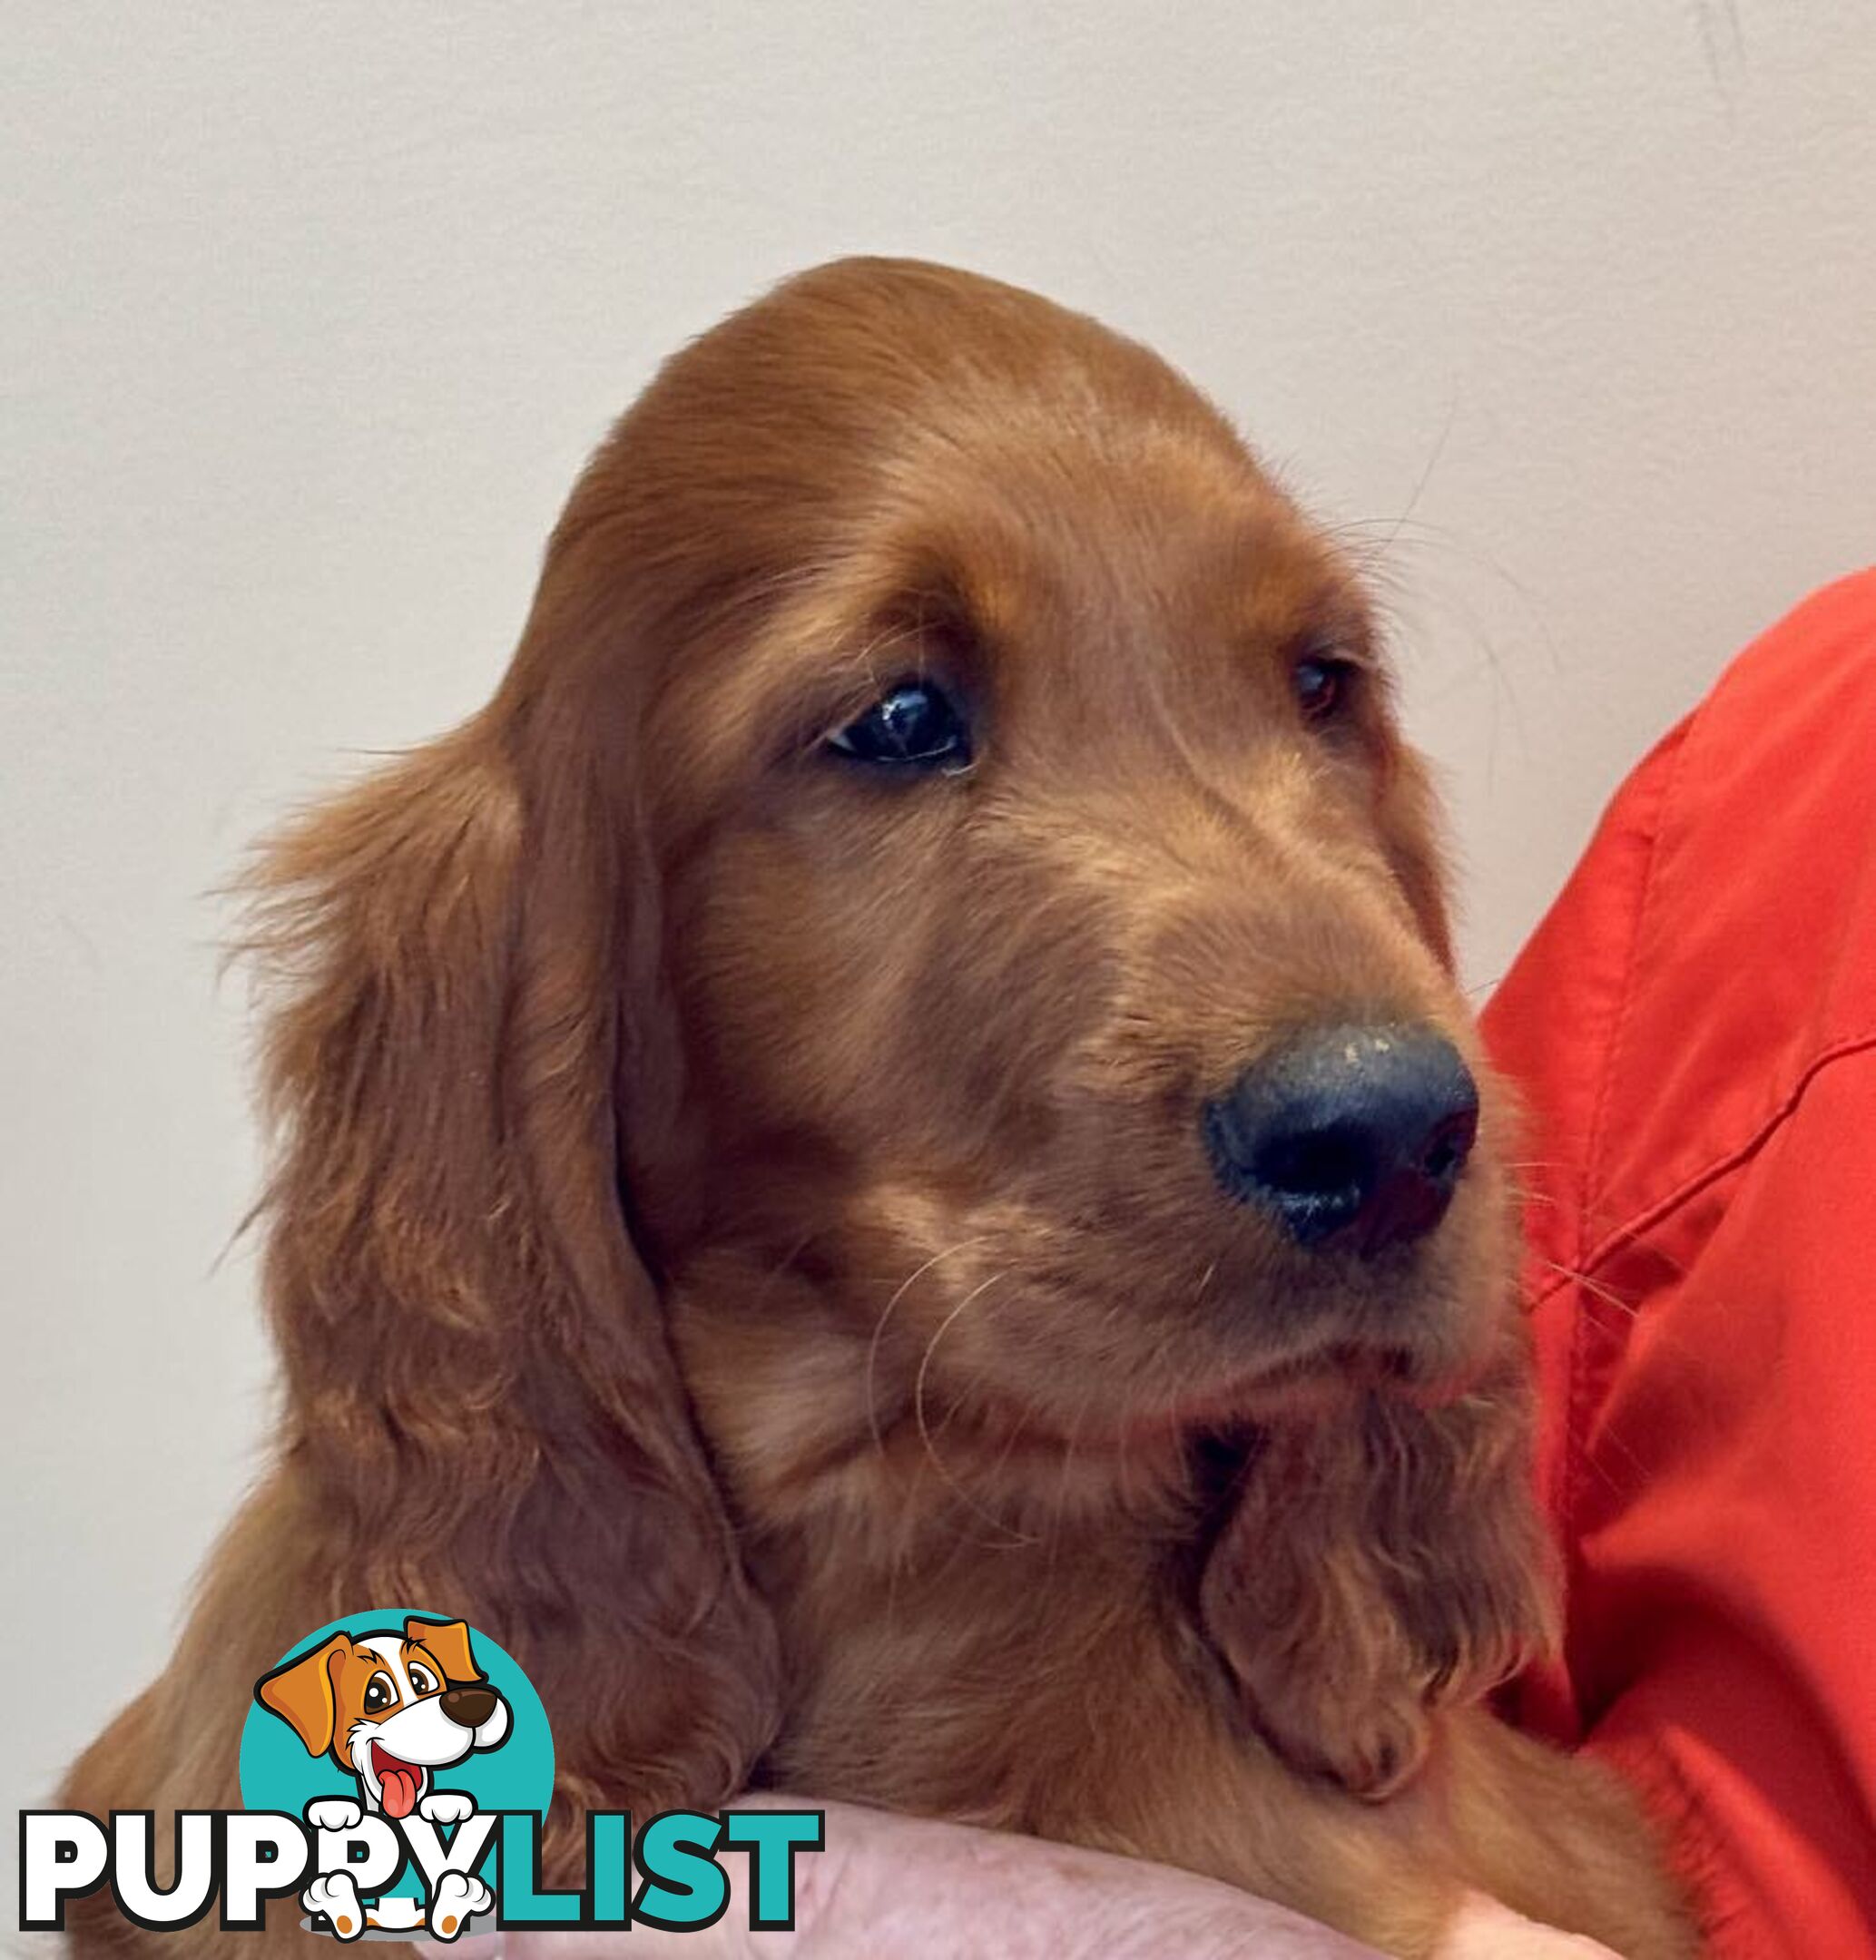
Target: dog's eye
(379, 1694)
(422, 1681)
(1322, 683)
(913, 725)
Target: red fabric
(1694, 1027)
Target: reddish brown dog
(883, 1173)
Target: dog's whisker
(925, 1433)
(1595, 1287)
(899, 1292)
(1695, 1375)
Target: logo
(396, 1769)
(396, 1716)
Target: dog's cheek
(795, 977)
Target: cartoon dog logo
(391, 1709)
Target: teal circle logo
(402, 1712)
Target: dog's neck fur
(924, 1557)
(948, 1580)
(947, 1589)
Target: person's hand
(1485, 1930)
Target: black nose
(468, 1708)
(1349, 1136)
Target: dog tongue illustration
(399, 1782)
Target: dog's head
(1049, 922)
(939, 915)
(389, 1707)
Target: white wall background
(308, 314)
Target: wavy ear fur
(1372, 1571)
(481, 1417)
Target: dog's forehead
(1051, 538)
(1165, 583)
(1065, 534)
(1144, 589)
(799, 484)
(387, 1649)
(1171, 556)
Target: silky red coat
(1695, 1028)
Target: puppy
(882, 1171)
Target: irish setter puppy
(881, 1171)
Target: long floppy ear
(1374, 1570)
(482, 1409)
(481, 1414)
(301, 1694)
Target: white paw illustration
(447, 1806)
(336, 1898)
(333, 1813)
(457, 1898)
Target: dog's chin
(1328, 1383)
(1427, 1358)
(1325, 1384)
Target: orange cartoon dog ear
(301, 1694)
(449, 1641)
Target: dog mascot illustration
(391, 1709)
